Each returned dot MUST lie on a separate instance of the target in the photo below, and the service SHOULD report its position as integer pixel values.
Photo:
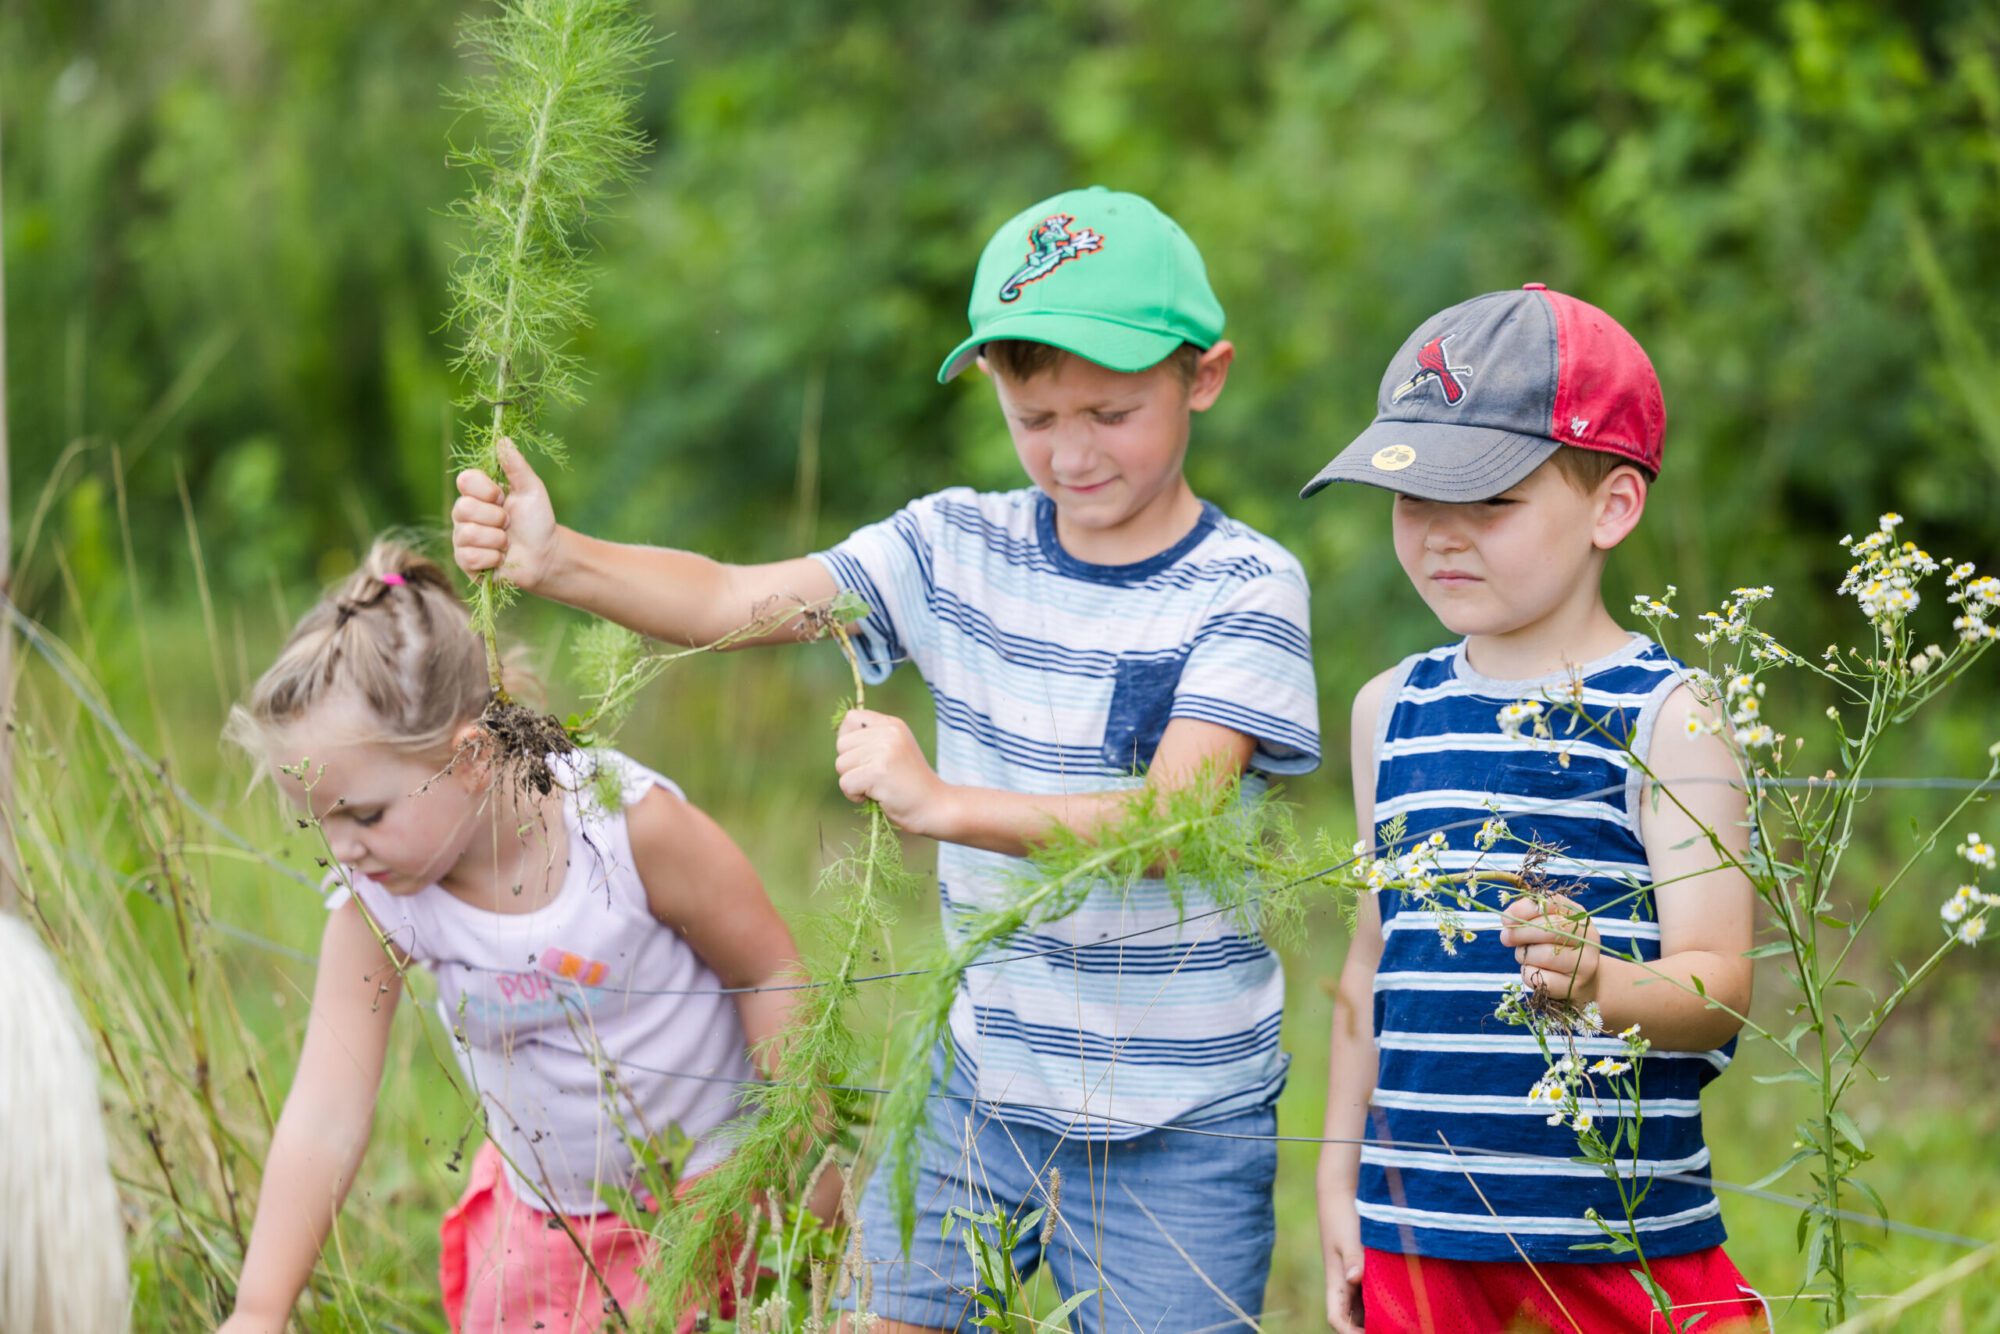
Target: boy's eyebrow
(1118, 403)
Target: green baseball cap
(1096, 272)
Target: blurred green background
(225, 250)
(225, 254)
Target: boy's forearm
(1350, 1082)
(1014, 823)
(675, 596)
(1662, 999)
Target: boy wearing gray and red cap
(1520, 432)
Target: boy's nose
(1443, 537)
(1072, 453)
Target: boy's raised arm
(676, 596)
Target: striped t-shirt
(1053, 675)
(1450, 1100)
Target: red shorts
(1424, 1295)
(504, 1269)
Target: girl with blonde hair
(597, 960)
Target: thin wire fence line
(1691, 1178)
(1943, 783)
(44, 645)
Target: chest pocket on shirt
(1537, 777)
(1142, 703)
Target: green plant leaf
(1778, 1173)
(1874, 1200)
(1068, 1308)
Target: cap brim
(1119, 347)
(1436, 460)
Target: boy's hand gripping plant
(1803, 828)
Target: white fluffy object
(62, 1244)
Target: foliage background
(225, 252)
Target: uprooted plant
(556, 102)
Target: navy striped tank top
(1447, 1066)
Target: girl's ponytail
(393, 637)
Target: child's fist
(1340, 1245)
(512, 531)
(1555, 942)
(879, 760)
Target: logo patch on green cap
(1050, 246)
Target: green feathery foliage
(1234, 855)
(796, 1116)
(556, 106)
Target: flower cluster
(1522, 713)
(1733, 621)
(1745, 695)
(1556, 1090)
(1883, 578)
(1977, 598)
(1655, 609)
(1568, 1084)
(1416, 873)
(1964, 913)
(1977, 851)
(1732, 625)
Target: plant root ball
(523, 743)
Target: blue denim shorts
(1172, 1229)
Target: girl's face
(1497, 566)
(402, 820)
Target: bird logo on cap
(1432, 364)
(1050, 245)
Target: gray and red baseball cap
(1483, 393)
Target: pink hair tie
(393, 578)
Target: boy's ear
(1621, 502)
(1210, 372)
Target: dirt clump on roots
(524, 742)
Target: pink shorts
(1425, 1295)
(506, 1270)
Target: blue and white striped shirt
(1450, 1098)
(1054, 675)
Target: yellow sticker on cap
(1394, 458)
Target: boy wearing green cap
(1102, 629)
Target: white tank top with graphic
(582, 1022)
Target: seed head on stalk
(555, 102)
